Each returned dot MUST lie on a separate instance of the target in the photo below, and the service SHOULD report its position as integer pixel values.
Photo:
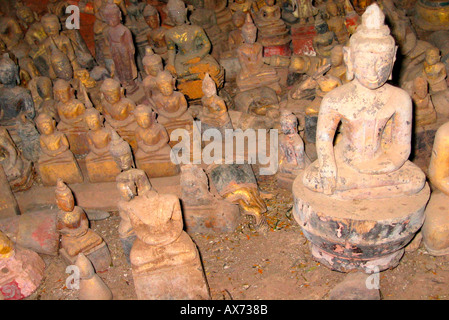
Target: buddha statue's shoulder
(398, 94)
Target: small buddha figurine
(121, 47)
(241, 5)
(152, 64)
(363, 164)
(22, 270)
(272, 29)
(435, 71)
(292, 157)
(325, 40)
(59, 49)
(10, 32)
(214, 113)
(17, 169)
(121, 151)
(139, 28)
(100, 164)
(336, 22)
(153, 151)
(435, 229)
(156, 36)
(56, 160)
(44, 88)
(76, 236)
(338, 68)
(188, 53)
(235, 38)
(304, 10)
(71, 114)
(91, 286)
(424, 110)
(165, 261)
(254, 73)
(118, 110)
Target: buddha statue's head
(177, 11)
(44, 88)
(86, 270)
(45, 124)
(121, 151)
(9, 71)
(93, 119)
(145, 117)
(111, 91)
(249, 30)
(64, 196)
(151, 16)
(51, 24)
(61, 65)
(332, 8)
(164, 82)
(238, 18)
(420, 87)
(152, 63)
(25, 14)
(85, 78)
(6, 247)
(371, 52)
(432, 55)
(209, 87)
(288, 122)
(62, 91)
(112, 14)
(337, 55)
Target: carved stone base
(220, 216)
(99, 256)
(69, 172)
(181, 282)
(281, 50)
(158, 169)
(435, 230)
(302, 39)
(101, 170)
(351, 235)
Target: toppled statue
(188, 53)
(165, 261)
(369, 162)
(254, 73)
(22, 270)
(76, 236)
(56, 160)
(153, 151)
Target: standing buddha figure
(71, 114)
(188, 53)
(138, 27)
(118, 110)
(254, 73)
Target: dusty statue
(165, 261)
(152, 64)
(56, 160)
(156, 36)
(76, 236)
(370, 160)
(153, 151)
(272, 30)
(188, 53)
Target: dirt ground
(247, 265)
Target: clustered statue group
(318, 71)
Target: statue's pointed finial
(209, 87)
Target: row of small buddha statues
(360, 125)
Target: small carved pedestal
(302, 39)
(348, 235)
(99, 256)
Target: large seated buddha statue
(188, 53)
(368, 162)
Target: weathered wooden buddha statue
(152, 64)
(153, 151)
(325, 39)
(254, 73)
(272, 29)
(100, 163)
(121, 46)
(121, 151)
(368, 163)
(188, 53)
(424, 110)
(56, 160)
(338, 68)
(71, 115)
(44, 88)
(118, 110)
(138, 27)
(156, 36)
(76, 236)
(336, 22)
(435, 71)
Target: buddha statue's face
(45, 89)
(152, 21)
(46, 126)
(63, 94)
(124, 161)
(432, 57)
(238, 20)
(51, 27)
(177, 16)
(112, 95)
(165, 87)
(372, 63)
(26, 15)
(144, 120)
(113, 18)
(249, 36)
(153, 69)
(93, 122)
(65, 202)
(62, 67)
